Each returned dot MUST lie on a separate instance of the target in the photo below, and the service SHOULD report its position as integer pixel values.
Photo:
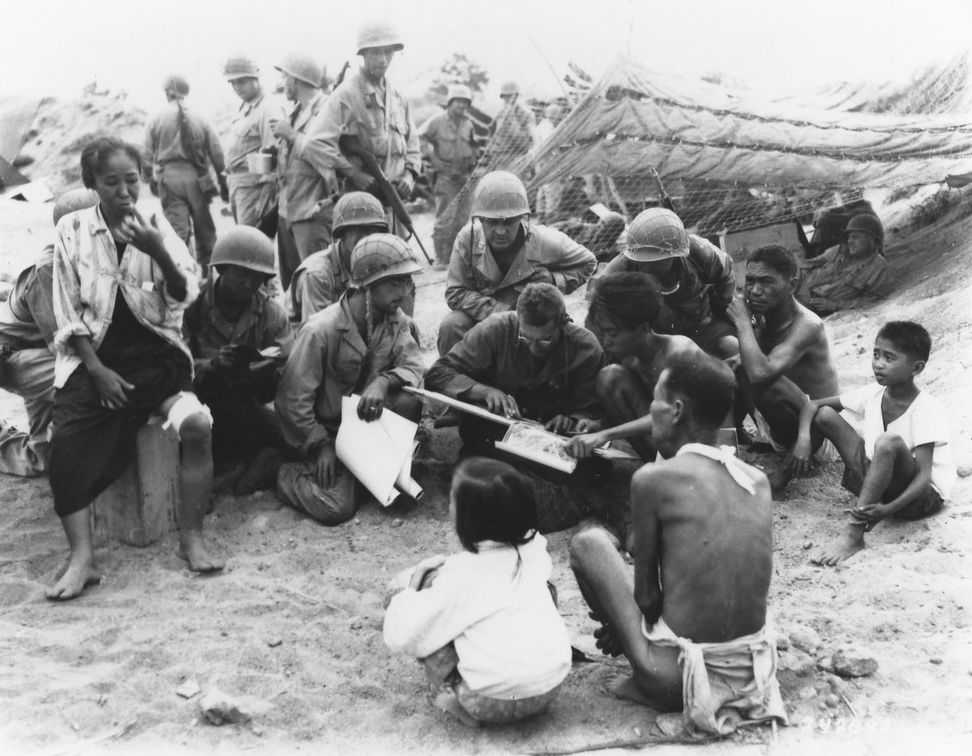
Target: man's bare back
(649, 370)
(711, 540)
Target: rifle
(664, 197)
(351, 146)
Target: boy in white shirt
(900, 461)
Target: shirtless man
(701, 541)
(623, 311)
(784, 354)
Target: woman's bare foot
(850, 543)
(193, 550)
(80, 573)
(625, 688)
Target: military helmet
(379, 34)
(240, 67)
(509, 88)
(358, 209)
(72, 200)
(500, 195)
(656, 234)
(246, 247)
(176, 84)
(458, 92)
(381, 256)
(303, 68)
(867, 224)
(553, 111)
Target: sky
(55, 47)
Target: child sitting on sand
(900, 464)
(482, 621)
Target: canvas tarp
(16, 115)
(633, 119)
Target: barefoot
(850, 543)
(79, 575)
(627, 689)
(193, 550)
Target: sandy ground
(293, 624)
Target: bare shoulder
(659, 478)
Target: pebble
(847, 666)
(397, 522)
(831, 700)
(274, 642)
(935, 660)
(189, 688)
(805, 638)
(807, 545)
(964, 471)
(798, 662)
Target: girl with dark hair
(494, 648)
(121, 283)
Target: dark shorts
(708, 335)
(930, 502)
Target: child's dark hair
(908, 336)
(776, 257)
(95, 156)
(626, 299)
(493, 503)
(707, 384)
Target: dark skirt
(92, 445)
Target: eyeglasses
(544, 343)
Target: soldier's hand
(405, 186)
(373, 399)
(559, 424)
(326, 469)
(500, 403)
(283, 130)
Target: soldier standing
(449, 142)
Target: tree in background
(459, 69)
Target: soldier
(252, 196)
(695, 278)
(324, 276)
(367, 106)
(512, 128)
(499, 252)
(180, 150)
(27, 328)
(360, 344)
(847, 275)
(305, 167)
(226, 328)
(448, 141)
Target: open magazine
(533, 442)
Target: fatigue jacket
(88, 277)
(381, 118)
(330, 360)
(250, 132)
(705, 287)
(452, 143)
(163, 142)
(263, 324)
(27, 317)
(836, 281)
(319, 281)
(305, 167)
(476, 286)
(491, 354)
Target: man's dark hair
(907, 336)
(706, 383)
(493, 502)
(94, 157)
(626, 299)
(777, 257)
(540, 304)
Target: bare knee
(587, 544)
(825, 419)
(610, 379)
(889, 444)
(196, 430)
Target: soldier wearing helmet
(252, 195)
(512, 129)
(360, 344)
(324, 276)
(368, 106)
(27, 328)
(531, 363)
(553, 114)
(449, 143)
(694, 276)
(181, 151)
(229, 328)
(850, 274)
(499, 252)
(304, 166)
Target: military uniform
(253, 196)
(836, 281)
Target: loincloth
(725, 685)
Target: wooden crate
(140, 507)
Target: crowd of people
(248, 350)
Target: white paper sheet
(379, 453)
